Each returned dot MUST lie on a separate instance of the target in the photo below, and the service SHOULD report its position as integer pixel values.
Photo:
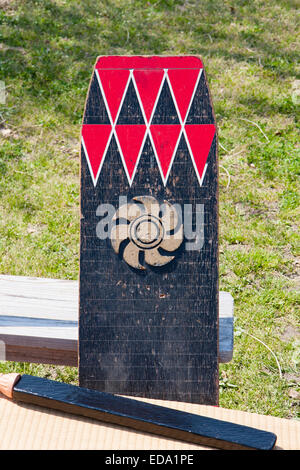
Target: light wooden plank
(39, 297)
(39, 320)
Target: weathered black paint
(152, 333)
(141, 416)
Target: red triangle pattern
(114, 83)
(148, 83)
(200, 137)
(183, 84)
(95, 137)
(130, 139)
(165, 137)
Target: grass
(48, 49)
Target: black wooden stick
(134, 414)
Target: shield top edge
(144, 62)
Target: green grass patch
(48, 49)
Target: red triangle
(183, 83)
(114, 83)
(130, 139)
(165, 137)
(148, 83)
(200, 137)
(95, 137)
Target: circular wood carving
(149, 228)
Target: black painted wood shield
(149, 329)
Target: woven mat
(28, 427)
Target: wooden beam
(39, 321)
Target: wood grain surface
(150, 333)
(39, 321)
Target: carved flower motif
(148, 231)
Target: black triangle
(165, 112)
(130, 112)
(95, 110)
(201, 109)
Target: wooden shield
(148, 323)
